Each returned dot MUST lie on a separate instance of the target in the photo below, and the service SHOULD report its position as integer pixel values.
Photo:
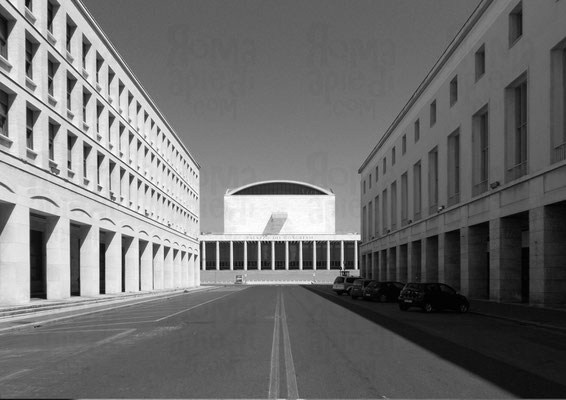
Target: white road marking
(14, 375)
(292, 390)
(274, 370)
(193, 307)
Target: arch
(128, 227)
(144, 233)
(108, 220)
(5, 186)
(279, 187)
(156, 237)
(47, 199)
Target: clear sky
(286, 89)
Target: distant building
(97, 193)
(278, 231)
(468, 184)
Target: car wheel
(403, 307)
(427, 308)
(382, 298)
(463, 308)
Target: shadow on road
(515, 380)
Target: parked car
(383, 291)
(343, 284)
(432, 296)
(358, 287)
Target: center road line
(292, 390)
(274, 371)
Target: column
(272, 255)
(113, 272)
(314, 255)
(342, 255)
(287, 255)
(245, 255)
(15, 249)
(301, 255)
(231, 255)
(146, 265)
(158, 267)
(177, 275)
(505, 240)
(203, 252)
(217, 255)
(58, 250)
(184, 270)
(168, 268)
(132, 249)
(192, 269)
(197, 270)
(328, 255)
(356, 255)
(259, 255)
(90, 261)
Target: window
(384, 211)
(394, 206)
(376, 173)
(370, 221)
(384, 165)
(86, 97)
(29, 59)
(50, 77)
(453, 91)
(51, 145)
(516, 129)
(364, 187)
(364, 224)
(29, 5)
(454, 168)
(417, 191)
(433, 113)
(516, 24)
(480, 62)
(480, 151)
(86, 154)
(110, 80)
(558, 102)
(3, 37)
(70, 144)
(376, 216)
(417, 130)
(99, 63)
(70, 30)
(393, 156)
(50, 16)
(99, 162)
(404, 145)
(86, 48)
(3, 113)
(30, 122)
(404, 199)
(433, 180)
(369, 180)
(70, 85)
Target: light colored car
(343, 284)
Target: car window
(398, 285)
(358, 282)
(433, 288)
(339, 280)
(350, 280)
(447, 289)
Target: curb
(112, 304)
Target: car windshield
(339, 280)
(413, 286)
(350, 280)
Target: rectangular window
(454, 168)
(417, 191)
(516, 132)
(417, 130)
(51, 145)
(70, 144)
(369, 180)
(384, 165)
(364, 224)
(3, 37)
(111, 120)
(453, 91)
(99, 63)
(85, 106)
(393, 156)
(516, 24)
(70, 86)
(433, 113)
(3, 113)
(376, 216)
(384, 212)
(29, 5)
(558, 102)
(480, 151)
(480, 62)
(433, 180)
(50, 16)
(364, 187)
(394, 206)
(404, 199)
(110, 80)
(404, 144)
(99, 162)
(30, 121)
(86, 48)
(50, 77)
(29, 59)
(86, 154)
(70, 30)
(370, 221)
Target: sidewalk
(552, 318)
(40, 311)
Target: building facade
(468, 184)
(97, 193)
(278, 231)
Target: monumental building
(278, 231)
(467, 186)
(97, 193)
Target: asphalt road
(281, 342)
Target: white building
(468, 184)
(97, 193)
(278, 231)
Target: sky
(288, 89)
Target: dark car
(358, 287)
(343, 284)
(432, 296)
(383, 291)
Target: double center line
(280, 324)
